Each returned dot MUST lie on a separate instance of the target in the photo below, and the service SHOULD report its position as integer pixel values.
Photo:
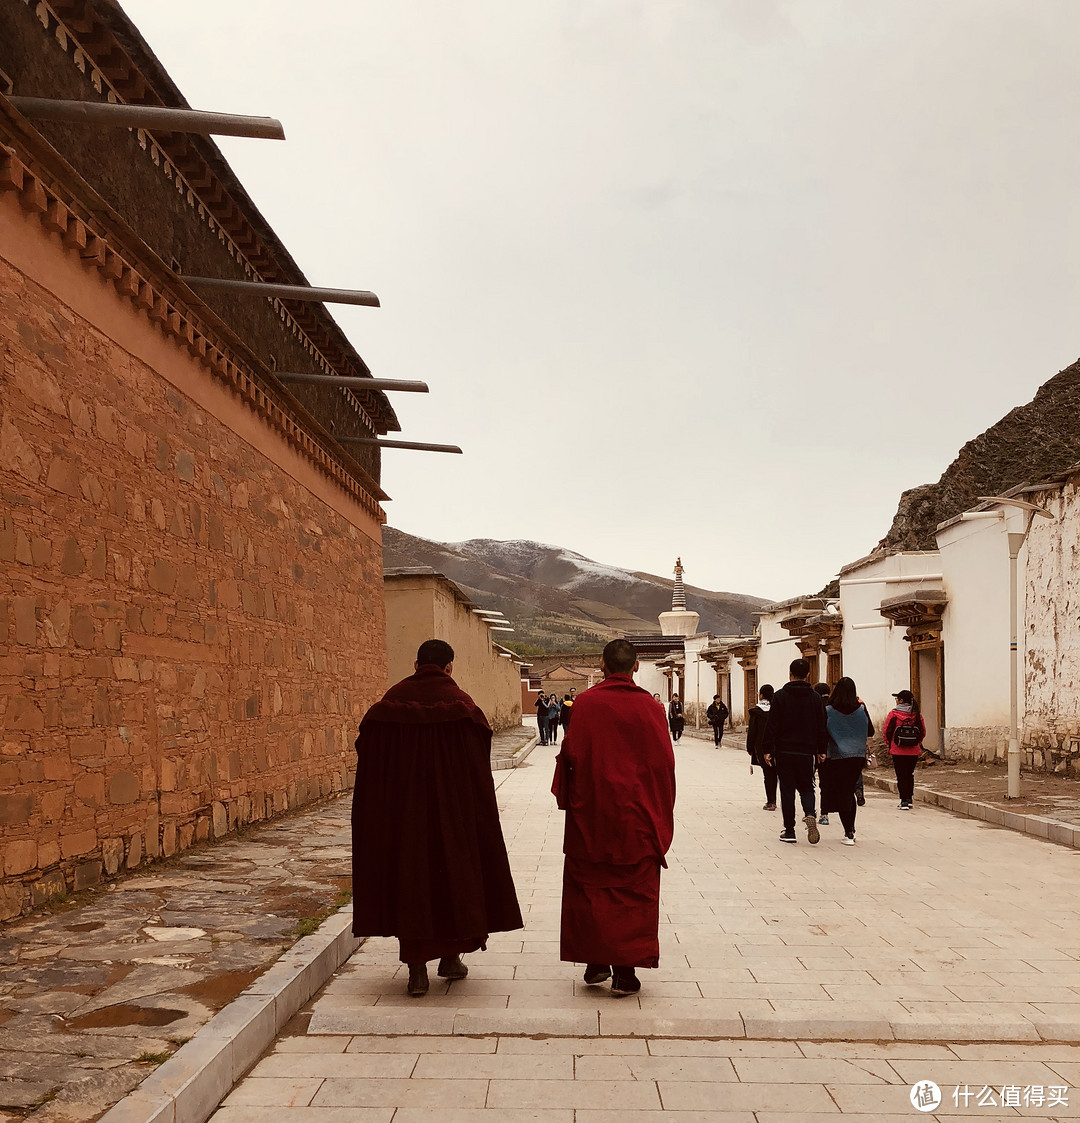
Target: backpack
(907, 734)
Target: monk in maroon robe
(429, 860)
(615, 779)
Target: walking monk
(429, 861)
(615, 779)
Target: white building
(882, 598)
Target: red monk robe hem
(615, 778)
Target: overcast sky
(717, 278)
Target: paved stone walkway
(98, 991)
(796, 983)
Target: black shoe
(596, 973)
(788, 836)
(418, 980)
(860, 799)
(625, 982)
(451, 967)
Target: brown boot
(418, 980)
(451, 967)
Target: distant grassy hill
(561, 601)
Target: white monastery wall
(649, 677)
(1050, 734)
(878, 658)
(975, 635)
(776, 651)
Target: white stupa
(678, 622)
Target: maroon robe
(429, 860)
(615, 778)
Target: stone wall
(191, 615)
(1050, 737)
(421, 605)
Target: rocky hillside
(558, 600)
(1032, 442)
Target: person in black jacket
(755, 736)
(716, 715)
(676, 720)
(795, 736)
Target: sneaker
(788, 836)
(596, 973)
(769, 807)
(905, 807)
(625, 982)
(812, 835)
(848, 840)
(823, 821)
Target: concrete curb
(518, 757)
(191, 1084)
(1041, 826)
(746, 1024)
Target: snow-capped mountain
(560, 599)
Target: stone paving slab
(895, 928)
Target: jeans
(904, 767)
(542, 726)
(795, 771)
(717, 735)
(553, 730)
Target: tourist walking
(565, 712)
(822, 769)
(755, 737)
(849, 727)
(716, 715)
(554, 713)
(429, 861)
(796, 737)
(541, 705)
(615, 779)
(904, 734)
(676, 721)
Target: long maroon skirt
(423, 951)
(611, 914)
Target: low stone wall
(989, 744)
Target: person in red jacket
(615, 779)
(904, 734)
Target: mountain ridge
(558, 599)
(1030, 443)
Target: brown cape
(429, 860)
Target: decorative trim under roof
(99, 37)
(67, 206)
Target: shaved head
(620, 656)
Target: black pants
(844, 772)
(553, 730)
(795, 771)
(717, 734)
(904, 767)
(769, 775)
